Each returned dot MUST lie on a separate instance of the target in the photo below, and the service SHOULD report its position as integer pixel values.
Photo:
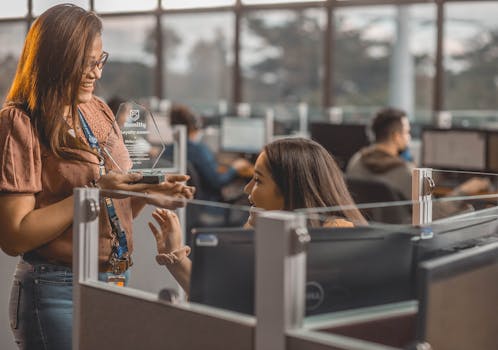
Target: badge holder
(117, 280)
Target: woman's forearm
(26, 228)
(181, 272)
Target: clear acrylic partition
(182, 220)
(357, 270)
(152, 297)
(361, 274)
(213, 222)
(459, 192)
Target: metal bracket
(92, 209)
(428, 186)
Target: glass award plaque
(142, 139)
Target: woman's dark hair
(182, 115)
(308, 177)
(50, 71)
(386, 122)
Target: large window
(183, 4)
(124, 6)
(39, 6)
(381, 54)
(471, 61)
(282, 56)
(253, 2)
(198, 59)
(384, 55)
(129, 71)
(11, 39)
(15, 9)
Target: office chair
(374, 191)
(209, 216)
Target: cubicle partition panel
(360, 295)
(384, 327)
(108, 316)
(459, 223)
(113, 318)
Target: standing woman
(53, 134)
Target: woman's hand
(165, 194)
(114, 181)
(170, 250)
(169, 235)
(174, 186)
(162, 194)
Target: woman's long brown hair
(308, 177)
(50, 70)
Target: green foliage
(476, 85)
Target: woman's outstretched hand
(170, 250)
(165, 194)
(170, 193)
(169, 235)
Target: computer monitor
(341, 140)
(454, 149)
(243, 135)
(346, 268)
(457, 300)
(453, 234)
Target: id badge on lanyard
(117, 280)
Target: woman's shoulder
(11, 112)
(15, 120)
(338, 222)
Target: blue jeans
(41, 306)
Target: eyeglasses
(97, 63)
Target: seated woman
(289, 174)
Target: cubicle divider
(321, 278)
(107, 315)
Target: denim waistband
(40, 266)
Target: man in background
(388, 159)
(382, 160)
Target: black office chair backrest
(375, 191)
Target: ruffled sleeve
(20, 159)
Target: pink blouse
(27, 166)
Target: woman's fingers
(155, 231)
(177, 177)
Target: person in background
(387, 158)
(289, 174)
(202, 159)
(52, 134)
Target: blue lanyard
(120, 250)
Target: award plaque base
(152, 178)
